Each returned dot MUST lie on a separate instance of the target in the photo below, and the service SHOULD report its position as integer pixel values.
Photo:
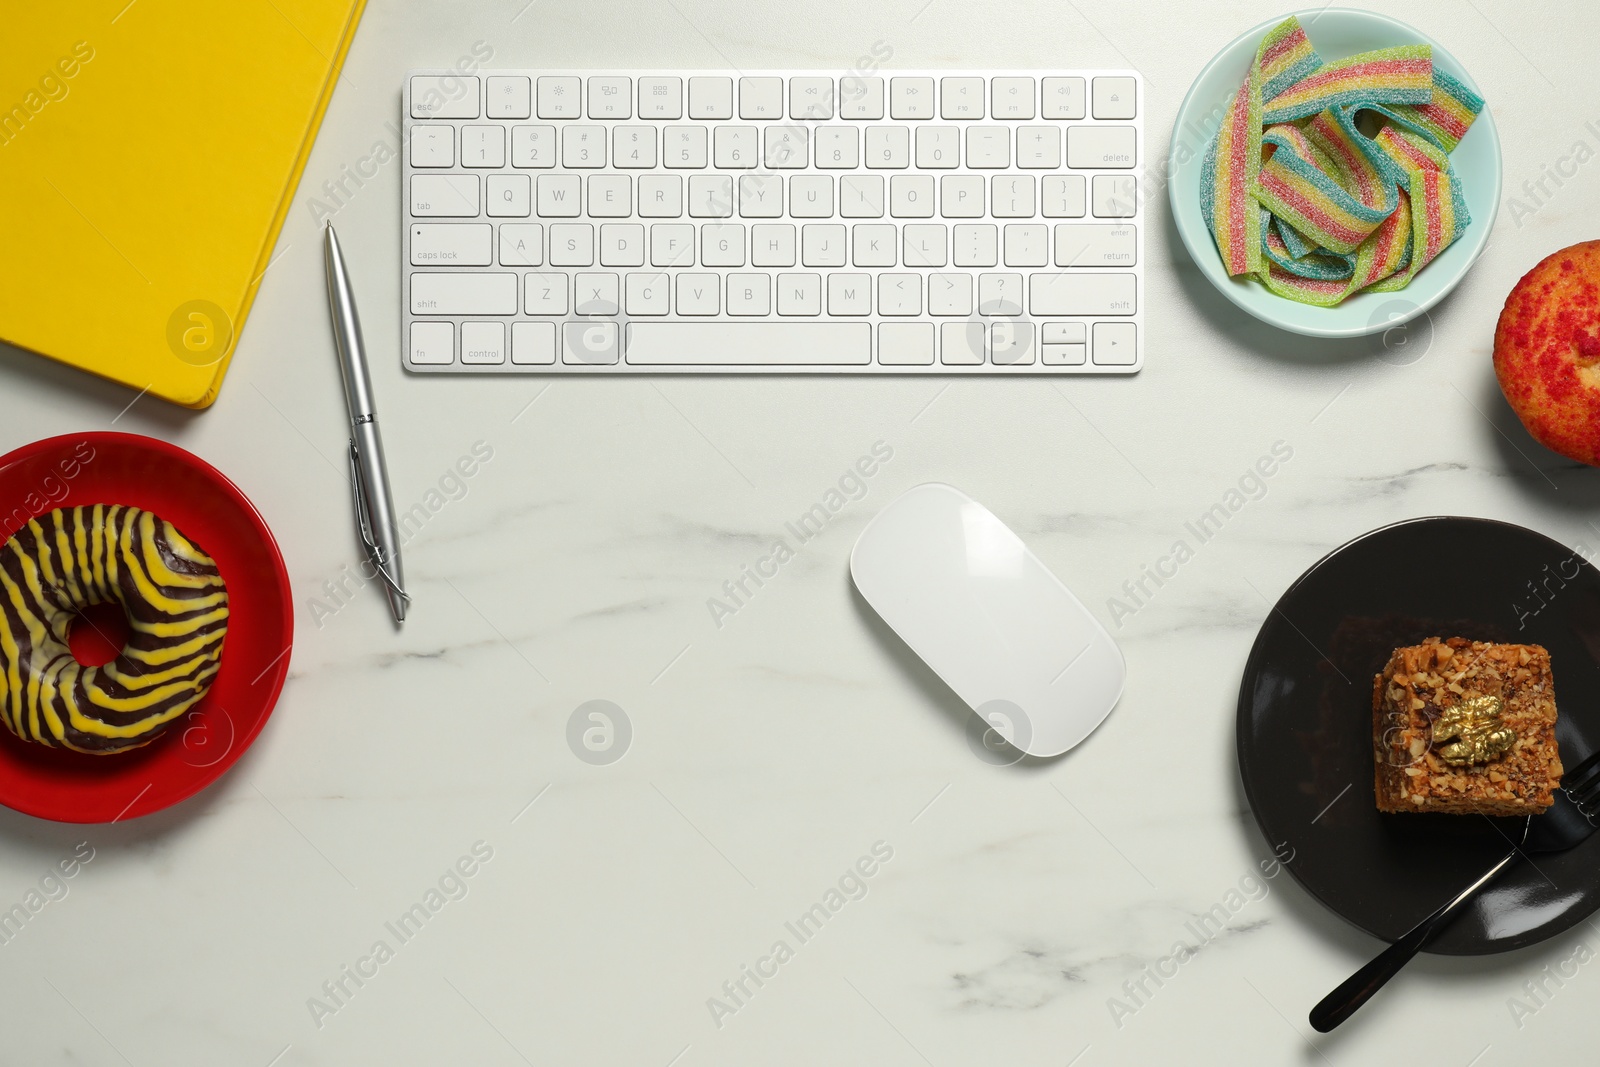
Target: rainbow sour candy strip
(1400, 75)
(1445, 119)
(1228, 173)
(1328, 181)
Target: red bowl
(121, 468)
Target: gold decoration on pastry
(1475, 730)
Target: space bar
(764, 344)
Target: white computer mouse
(989, 618)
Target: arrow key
(1115, 344)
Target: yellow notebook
(148, 155)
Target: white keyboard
(922, 222)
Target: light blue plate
(1335, 33)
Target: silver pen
(369, 480)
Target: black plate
(1305, 725)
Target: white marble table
(1011, 912)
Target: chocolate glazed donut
(176, 606)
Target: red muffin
(1547, 352)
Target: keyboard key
(822, 245)
(837, 147)
(510, 98)
(949, 293)
(583, 146)
(633, 147)
(1027, 245)
(450, 245)
(672, 245)
(888, 147)
(899, 294)
(988, 147)
(1065, 333)
(810, 196)
(911, 98)
(722, 244)
(483, 342)
(544, 294)
(711, 98)
(773, 344)
(648, 294)
(592, 344)
(924, 245)
(433, 146)
(1100, 147)
(463, 294)
(483, 146)
(1115, 196)
(874, 245)
(521, 244)
(860, 98)
(533, 343)
(533, 146)
(772, 245)
(444, 195)
(1064, 355)
(736, 147)
(749, 294)
(961, 98)
(622, 245)
(999, 294)
(557, 195)
(976, 245)
(1063, 98)
(595, 294)
(660, 196)
(962, 343)
(799, 294)
(610, 196)
(1011, 98)
(911, 196)
(1091, 245)
(699, 294)
(510, 195)
(849, 294)
(661, 98)
(861, 196)
(905, 344)
(1081, 294)
(1011, 343)
(761, 196)
(710, 196)
(938, 147)
(761, 98)
(1064, 196)
(572, 245)
(610, 97)
(559, 97)
(1115, 344)
(1012, 197)
(810, 98)
(961, 196)
(433, 343)
(684, 146)
(449, 97)
(1039, 147)
(787, 147)
(1114, 98)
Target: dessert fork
(1568, 822)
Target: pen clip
(364, 526)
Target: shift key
(463, 293)
(1073, 293)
